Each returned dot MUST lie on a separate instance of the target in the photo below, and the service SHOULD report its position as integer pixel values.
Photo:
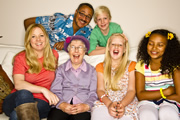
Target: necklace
(113, 72)
(112, 68)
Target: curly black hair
(171, 56)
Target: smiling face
(38, 40)
(156, 46)
(103, 21)
(117, 47)
(76, 52)
(82, 17)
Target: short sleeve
(42, 20)
(132, 66)
(139, 67)
(51, 22)
(100, 67)
(119, 30)
(19, 66)
(93, 40)
(55, 53)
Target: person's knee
(148, 112)
(168, 113)
(24, 96)
(95, 113)
(100, 113)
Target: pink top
(76, 72)
(44, 78)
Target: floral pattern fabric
(131, 109)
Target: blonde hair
(49, 60)
(111, 82)
(100, 10)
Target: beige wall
(136, 17)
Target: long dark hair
(171, 56)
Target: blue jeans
(20, 97)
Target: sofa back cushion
(7, 64)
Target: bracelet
(105, 95)
(162, 93)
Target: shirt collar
(83, 66)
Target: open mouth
(115, 52)
(76, 56)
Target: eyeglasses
(83, 15)
(73, 48)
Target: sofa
(7, 53)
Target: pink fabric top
(44, 78)
(76, 72)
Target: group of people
(116, 89)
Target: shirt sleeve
(100, 67)
(92, 93)
(44, 20)
(51, 22)
(56, 86)
(55, 53)
(19, 66)
(118, 28)
(132, 66)
(140, 67)
(93, 41)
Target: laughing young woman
(116, 83)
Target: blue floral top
(59, 27)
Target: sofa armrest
(5, 82)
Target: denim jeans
(20, 97)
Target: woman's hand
(51, 97)
(74, 109)
(67, 108)
(80, 108)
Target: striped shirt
(154, 80)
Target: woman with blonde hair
(33, 72)
(116, 83)
(102, 31)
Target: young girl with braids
(116, 83)
(158, 76)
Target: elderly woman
(75, 83)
